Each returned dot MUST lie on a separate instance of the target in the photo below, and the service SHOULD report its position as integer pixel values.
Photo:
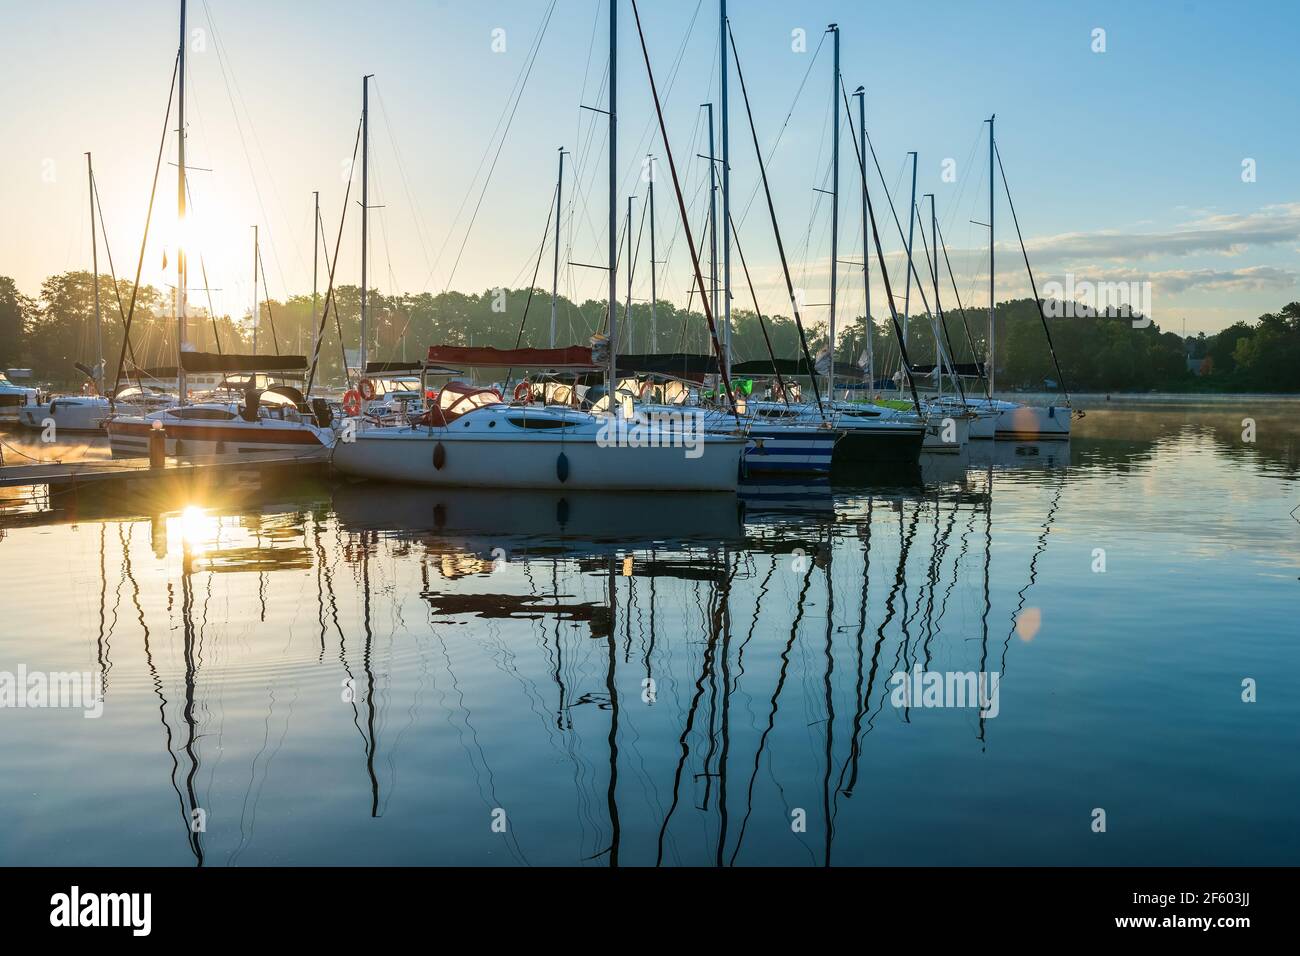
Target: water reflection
(350, 673)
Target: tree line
(55, 329)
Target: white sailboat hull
(128, 437)
(543, 461)
(1010, 421)
(946, 435)
(1033, 423)
(69, 415)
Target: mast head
(860, 91)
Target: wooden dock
(44, 493)
(234, 468)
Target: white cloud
(1223, 234)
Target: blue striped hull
(790, 451)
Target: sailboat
(251, 419)
(87, 412)
(866, 436)
(1014, 421)
(471, 437)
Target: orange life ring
(523, 391)
(352, 402)
(367, 389)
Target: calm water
(363, 675)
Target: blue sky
(1125, 164)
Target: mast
(256, 317)
(555, 268)
(654, 327)
(911, 222)
(950, 354)
(94, 259)
(936, 317)
(181, 384)
(713, 217)
(861, 94)
(726, 192)
(612, 385)
(992, 356)
(315, 255)
(631, 265)
(835, 205)
(365, 212)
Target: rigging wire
(162, 144)
(117, 292)
(880, 258)
(329, 294)
(275, 341)
(970, 339)
(780, 382)
(516, 94)
(723, 372)
(1032, 284)
(771, 209)
(532, 286)
(231, 81)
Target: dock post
(157, 447)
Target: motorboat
(14, 397)
(88, 413)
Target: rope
(39, 461)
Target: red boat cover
(575, 356)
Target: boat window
(535, 421)
(199, 413)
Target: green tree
(15, 308)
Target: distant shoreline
(1103, 399)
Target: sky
(1163, 150)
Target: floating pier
(233, 469)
